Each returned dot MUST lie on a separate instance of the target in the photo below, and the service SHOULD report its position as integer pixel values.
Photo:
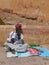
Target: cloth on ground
(44, 51)
(34, 50)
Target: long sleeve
(9, 37)
(22, 37)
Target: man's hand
(12, 40)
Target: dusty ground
(23, 61)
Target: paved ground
(23, 61)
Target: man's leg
(21, 48)
(6, 47)
(9, 47)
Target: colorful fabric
(33, 45)
(34, 51)
(44, 51)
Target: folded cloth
(9, 54)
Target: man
(15, 40)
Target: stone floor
(35, 60)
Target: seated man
(15, 40)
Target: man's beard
(18, 33)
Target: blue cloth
(44, 53)
(25, 54)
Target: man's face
(18, 30)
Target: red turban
(19, 26)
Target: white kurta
(14, 35)
(18, 45)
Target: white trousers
(17, 47)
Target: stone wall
(32, 34)
(27, 6)
(5, 4)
